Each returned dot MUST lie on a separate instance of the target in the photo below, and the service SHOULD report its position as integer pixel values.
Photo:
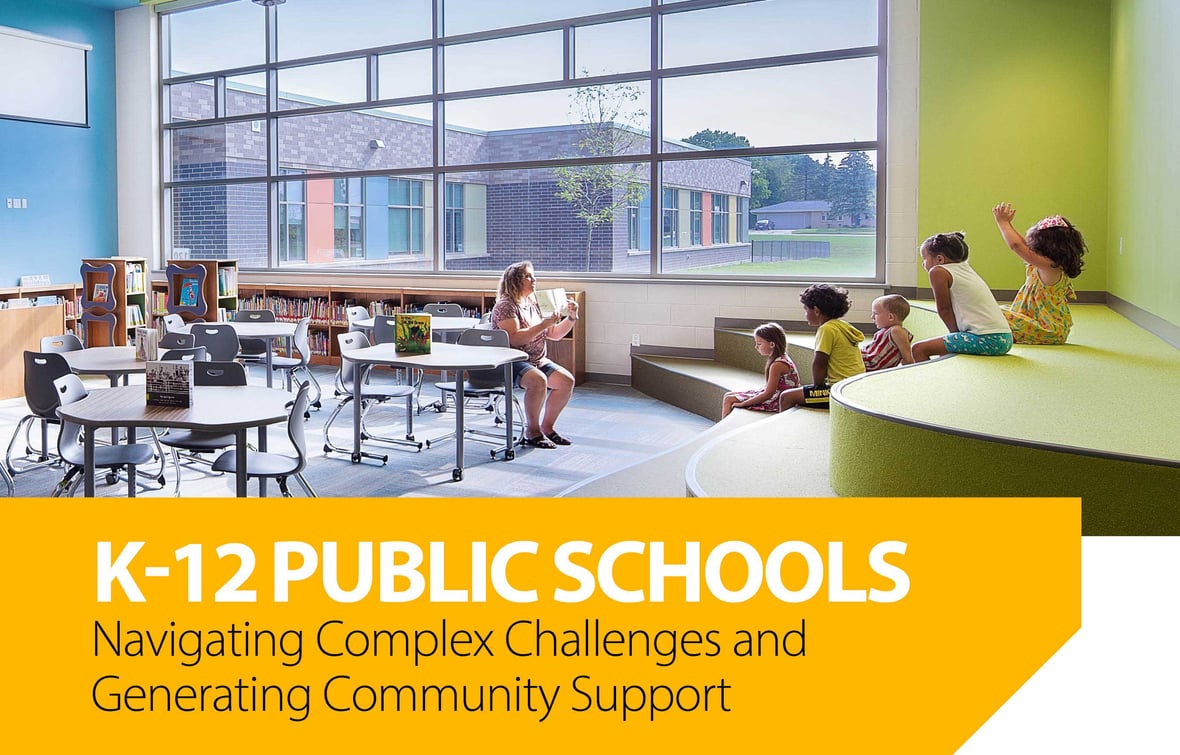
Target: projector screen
(51, 83)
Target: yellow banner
(579, 626)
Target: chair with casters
(264, 464)
(172, 340)
(487, 385)
(92, 328)
(192, 443)
(219, 340)
(291, 365)
(253, 349)
(41, 369)
(372, 394)
(8, 481)
(112, 458)
(61, 344)
(190, 354)
(172, 323)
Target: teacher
(546, 384)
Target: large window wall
(461, 135)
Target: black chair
(61, 344)
(218, 338)
(372, 394)
(194, 442)
(41, 369)
(264, 464)
(173, 340)
(291, 365)
(191, 354)
(112, 458)
(485, 384)
(253, 349)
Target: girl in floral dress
(1052, 251)
(771, 342)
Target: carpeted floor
(612, 427)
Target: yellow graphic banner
(577, 626)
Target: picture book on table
(551, 301)
(169, 383)
(412, 333)
(190, 292)
(147, 344)
(101, 292)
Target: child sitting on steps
(837, 350)
(1052, 252)
(891, 343)
(770, 340)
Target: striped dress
(882, 353)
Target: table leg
(270, 362)
(262, 448)
(356, 409)
(457, 472)
(88, 462)
(509, 450)
(240, 477)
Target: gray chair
(172, 323)
(173, 340)
(193, 443)
(263, 464)
(8, 481)
(218, 338)
(302, 363)
(253, 349)
(372, 394)
(191, 354)
(61, 344)
(112, 458)
(443, 309)
(353, 314)
(485, 384)
(41, 369)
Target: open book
(551, 301)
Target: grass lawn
(853, 255)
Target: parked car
(764, 225)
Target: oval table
(215, 409)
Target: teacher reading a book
(546, 384)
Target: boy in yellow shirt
(837, 346)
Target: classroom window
(695, 212)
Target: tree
(711, 139)
(854, 188)
(610, 122)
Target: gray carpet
(611, 427)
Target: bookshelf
(218, 291)
(124, 294)
(325, 306)
(65, 294)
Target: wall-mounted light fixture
(269, 3)
(376, 144)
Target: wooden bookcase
(325, 305)
(128, 295)
(66, 294)
(23, 328)
(219, 291)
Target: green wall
(1014, 97)
(1145, 156)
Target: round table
(112, 361)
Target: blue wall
(66, 173)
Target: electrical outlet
(9, 201)
(635, 339)
(1120, 246)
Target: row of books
(227, 281)
(136, 280)
(288, 308)
(135, 316)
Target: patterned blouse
(526, 316)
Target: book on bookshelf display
(101, 292)
(412, 333)
(169, 383)
(189, 292)
(551, 301)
